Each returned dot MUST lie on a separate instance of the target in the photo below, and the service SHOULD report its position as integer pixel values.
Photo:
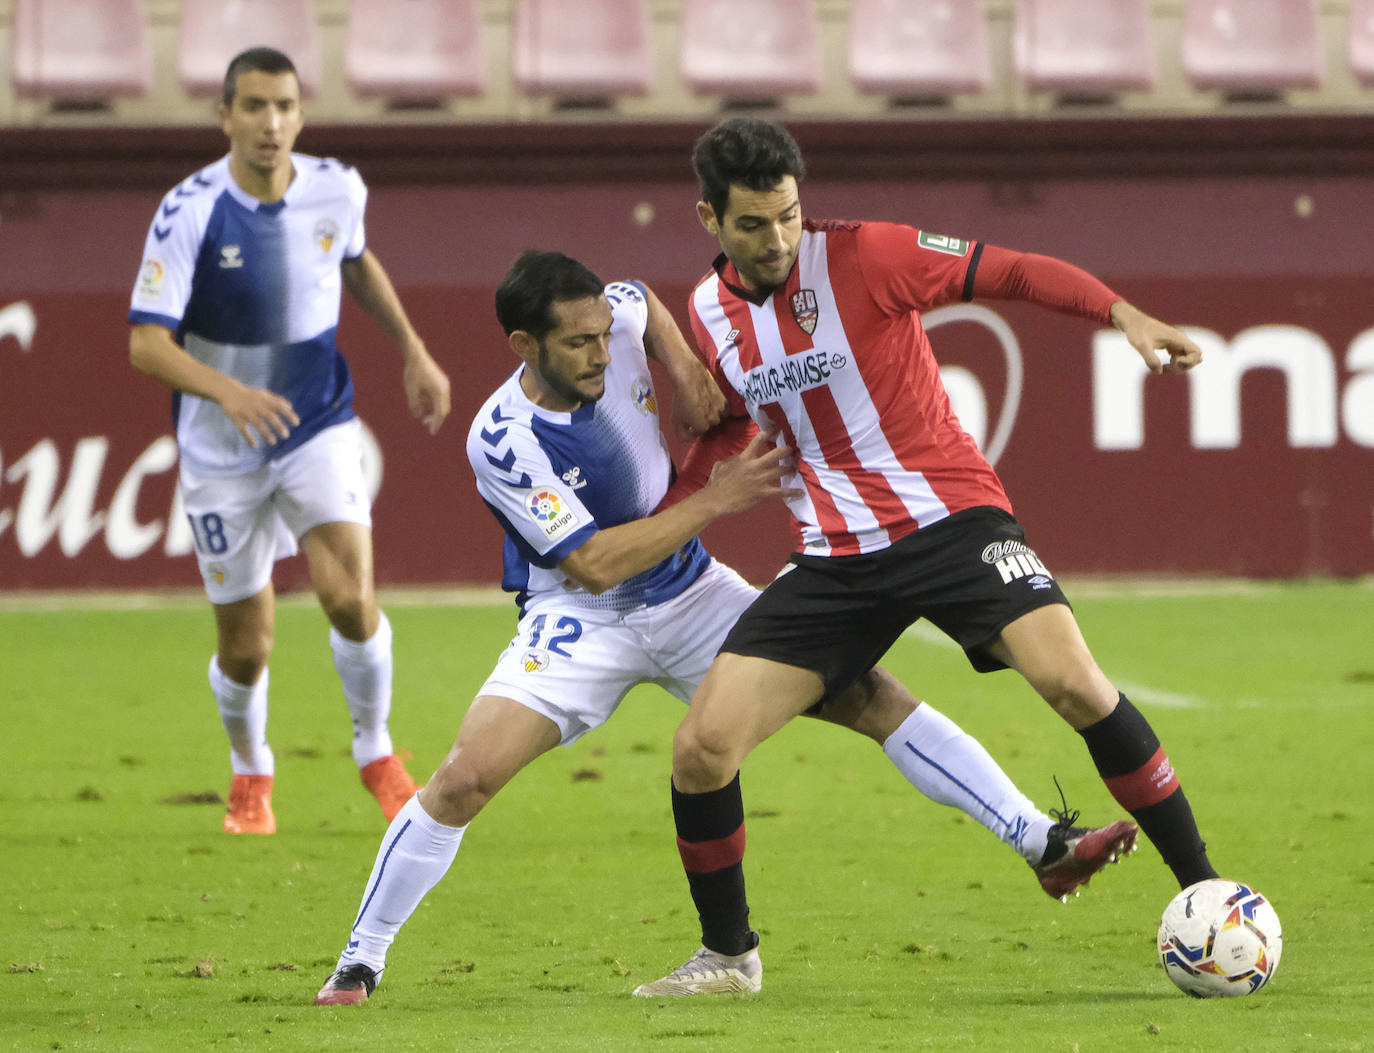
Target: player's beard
(560, 386)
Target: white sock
(415, 853)
(243, 712)
(951, 767)
(365, 671)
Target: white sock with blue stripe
(415, 853)
(951, 767)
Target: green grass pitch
(129, 922)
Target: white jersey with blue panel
(552, 479)
(252, 289)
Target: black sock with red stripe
(1133, 765)
(710, 839)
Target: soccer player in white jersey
(569, 457)
(813, 330)
(236, 308)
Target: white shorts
(244, 523)
(574, 664)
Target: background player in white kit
(569, 457)
(236, 308)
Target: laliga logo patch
(643, 394)
(150, 278)
(546, 508)
(536, 661)
(804, 310)
(326, 230)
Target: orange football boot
(388, 781)
(250, 806)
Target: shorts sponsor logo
(1014, 560)
(804, 310)
(548, 509)
(535, 661)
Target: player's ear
(524, 345)
(706, 216)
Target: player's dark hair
(535, 282)
(745, 151)
(254, 60)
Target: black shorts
(971, 575)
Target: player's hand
(427, 389)
(259, 414)
(698, 404)
(753, 474)
(1149, 336)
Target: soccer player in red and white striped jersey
(814, 329)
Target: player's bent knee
(703, 763)
(455, 794)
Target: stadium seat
(415, 50)
(214, 31)
(1247, 46)
(1362, 41)
(1084, 47)
(918, 48)
(80, 50)
(588, 50)
(759, 49)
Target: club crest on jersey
(643, 394)
(536, 661)
(804, 310)
(326, 230)
(230, 257)
(546, 507)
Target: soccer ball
(1219, 939)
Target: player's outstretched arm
(1061, 286)
(1149, 335)
(698, 404)
(259, 414)
(618, 553)
(426, 385)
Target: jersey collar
(725, 270)
(252, 204)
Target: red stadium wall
(1256, 236)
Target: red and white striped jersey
(838, 361)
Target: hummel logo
(573, 477)
(230, 256)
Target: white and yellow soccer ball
(1219, 939)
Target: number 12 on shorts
(568, 630)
